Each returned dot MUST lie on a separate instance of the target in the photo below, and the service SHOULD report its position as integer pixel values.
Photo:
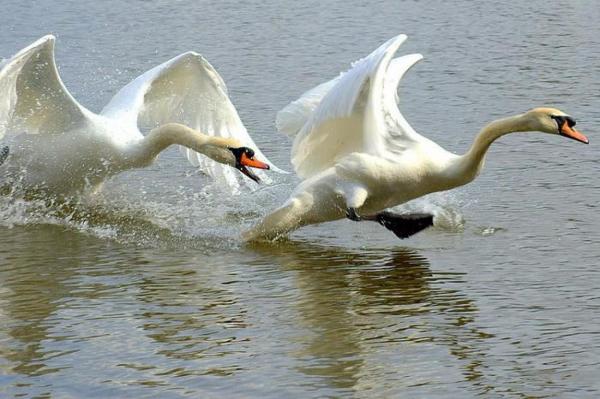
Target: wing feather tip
(398, 40)
(205, 64)
(49, 37)
(47, 40)
(403, 63)
(412, 58)
(188, 55)
(42, 42)
(193, 55)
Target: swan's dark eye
(249, 152)
(570, 121)
(561, 119)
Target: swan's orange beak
(251, 162)
(567, 130)
(244, 161)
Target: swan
(53, 144)
(357, 155)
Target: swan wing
(291, 119)
(33, 99)
(187, 90)
(355, 112)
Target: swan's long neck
(174, 133)
(469, 165)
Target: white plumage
(58, 146)
(356, 152)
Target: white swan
(358, 155)
(54, 144)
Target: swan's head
(244, 158)
(230, 152)
(554, 121)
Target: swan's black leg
(403, 226)
(4, 154)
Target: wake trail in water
(179, 216)
(183, 216)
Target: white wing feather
(187, 90)
(33, 99)
(294, 116)
(356, 112)
(398, 133)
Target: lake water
(147, 291)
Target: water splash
(203, 214)
(488, 231)
(148, 213)
(444, 206)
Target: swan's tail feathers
(4, 154)
(403, 226)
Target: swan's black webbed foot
(352, 215)
(403, 226)
(4, 154)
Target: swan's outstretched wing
(291, 119)
(187, 90)
(33, 99)
(356, 112)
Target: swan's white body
(58, 146)
(355, 150)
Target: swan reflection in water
(368, 315)
(50, 286)
(309, 316)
